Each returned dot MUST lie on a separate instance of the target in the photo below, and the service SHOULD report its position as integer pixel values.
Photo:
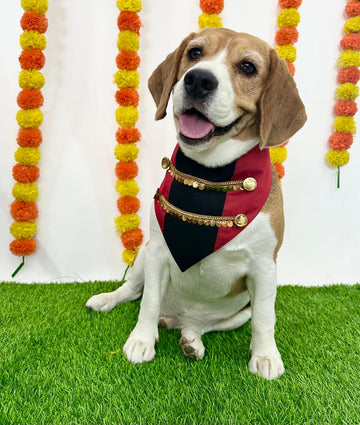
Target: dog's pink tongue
(194, 126)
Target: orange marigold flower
(24, 211)
(340, 141)
(345, 108)
(291, 68)
(349, 74)
(280, 170)
(129, 21)
(127, 135)
(212, 6)
(33, 21)
(23, 247)
(30, 99)
(29, 137)
(352, 9)
(127, 59)
(132, 239)
(32, 59)
(128, 205)
(286, 4)
(286, 35)
(350, 41)
(126, 170)
(127, 97)
(26, 173)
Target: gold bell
(165, 163)
(240, 220)
(249, 184)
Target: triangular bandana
(182, 207)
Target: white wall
(77, 203)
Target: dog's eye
(247, 68)
(194, 54)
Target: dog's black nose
(199, 83)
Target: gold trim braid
(203, 220)
(249, 184)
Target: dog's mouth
(194, 127)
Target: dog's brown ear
(282, 112)
(164, 78)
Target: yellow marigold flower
(209, 20)
(278, 155)
(337, 158)
(127, 187)
(288, 18)
(345, 124)
(29, 118)
(32, 40)
(287, 52)
(39, 6)
(347, 91)
(27, 156)
(129, 5)
(27, 192)
(126, 152)
(352, 25)
(128, 40)
(126, 222)
(126, 116)
(349, 58)
(124, 78)
(31, 79)
(23, 229)
(129, 255)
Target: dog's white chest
(215, 287)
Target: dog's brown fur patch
(237, 287)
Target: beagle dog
(217, 221)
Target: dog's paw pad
(269, 367)
(138, 351)
(193, 348)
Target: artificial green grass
(56, 365)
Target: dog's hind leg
(191, 343)
(233, 322)
(129, 291)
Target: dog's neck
(219, 154)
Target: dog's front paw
(268, 366)
(139, 350)
(102, 302)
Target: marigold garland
(211, 10)
(127, 79)
(347, 91)
(25, 191)
(285, 38)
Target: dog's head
(227, 87)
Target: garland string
(23, 209)
(347, 91)
(126, 152)
(286, 36)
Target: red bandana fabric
(189, 243)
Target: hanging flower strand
(26, 172)
(347, 91)
(127, 79)
(285, 38)
(211, 10)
